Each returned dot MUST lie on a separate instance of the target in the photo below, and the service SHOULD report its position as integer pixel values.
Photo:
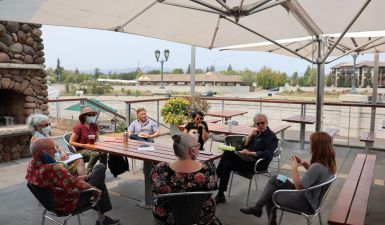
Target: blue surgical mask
(46, 159)
(91, 119)
(46, 130)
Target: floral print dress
(165, 180)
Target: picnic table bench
(368, 138)
(302, 120)
(352, 201)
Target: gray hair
(260, 114)
(41, 144)
(182, 143)
(36, 119)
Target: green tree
(229, 68)
(188, 71)
(294, 79)
(198, 71)
(97, 73)
(177, 71)
(153, 72)
(248, 77)
(207, 70)
(265, 78)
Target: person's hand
(201, 125)
(96, 194)
(63, 156)
(254, 132)
(245, 152)
(82, 177)
(294, 162)
(299, 160)
(144, 135)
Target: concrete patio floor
(19, 207)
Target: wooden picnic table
(303, 120)
(162, 153)
(226, 114)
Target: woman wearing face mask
(40, 126)
(82, 132)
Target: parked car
(274, 89)
(208, 94)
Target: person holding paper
(321, 168)
(185, 174)
(143, 129)
(261, 143)
(198, 127)
(86, 132)
(44, 171)
(40, 125)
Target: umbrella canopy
(204, 23)
(306, 47)
(77, 107)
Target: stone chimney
(23, 87)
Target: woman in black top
(198, 127)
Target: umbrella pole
(320, 87)
(192, 70)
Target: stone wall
(23, 85)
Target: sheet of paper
(72, 158)
(147, 148)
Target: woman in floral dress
(186, 174)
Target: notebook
(72, 158)
(246, 158)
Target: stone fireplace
(23, 87)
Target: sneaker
(220, 199)
(109, 221)
(256, 211)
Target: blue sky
(87, 49)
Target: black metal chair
(66, 138)
(325, 187)
(45, 197)
(237, 141)
(186, 206)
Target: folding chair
(325, 187)
(45, 197)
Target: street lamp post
(353, 90)
(157, 56)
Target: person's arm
(155, 130)
(295, 174)
(73, 140)
(63, 154)
(302, 162)
(205, 133)
(250, 137)
(155, 134)
(131, 128)
(271, 144)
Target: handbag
(118, 164)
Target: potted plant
(175, 111)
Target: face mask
(46, 159)
(91, 119)
(46, 130)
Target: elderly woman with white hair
(40, 127)
(185, 174)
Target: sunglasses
(46, 125)
(260, 123)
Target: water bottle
(125, 135)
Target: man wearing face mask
(40, 126)
(82, 132)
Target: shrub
(175, 110)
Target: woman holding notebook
(321, 168)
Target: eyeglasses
(199, 118)
(259, 123)
(196, 146)
(46, 125)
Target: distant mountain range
(131, 69)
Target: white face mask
(91, 119)
(46, 130)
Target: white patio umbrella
(209, 23)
